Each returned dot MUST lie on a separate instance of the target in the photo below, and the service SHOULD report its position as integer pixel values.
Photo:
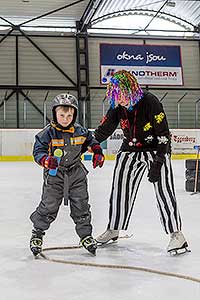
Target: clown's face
(123, 99)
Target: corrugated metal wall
(191, 73)
(35, 69)
(7, 61)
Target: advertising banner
(151, 64)
(182, 141)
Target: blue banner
(151, 64)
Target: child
(146, 146)
(70, 181)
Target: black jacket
(145, 128)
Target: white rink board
(19, 142)
(183, 141)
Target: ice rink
(25, 278)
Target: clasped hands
(98, 157)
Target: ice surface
(22, 277)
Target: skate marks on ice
(113, 251)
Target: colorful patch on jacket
(149, 139)
(147, 126)
(124, 124)
(78, 140)
(57, 142)
(159, 117)
(162, 139)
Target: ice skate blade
(35, 252)
(176, 252)
(194, 193)
(36, 255)
(111, 241)
(93, 253)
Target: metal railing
(4, 108)
(196, 105)
(178, 109)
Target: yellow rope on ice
(108, 266)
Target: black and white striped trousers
(128, 173)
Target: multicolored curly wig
(126, 83)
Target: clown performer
(146, 146)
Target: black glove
(155, 169)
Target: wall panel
(191, 72)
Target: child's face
(64, 118)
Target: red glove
(98, 160)
(49, 162)
(98, 157)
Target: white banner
(147, 75)
(183, 141)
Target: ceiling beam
(155, 15)
(7, 21)
(52, 11)
(132, 11)
(6, 35)
(88, 14)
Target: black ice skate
(178, 244)
(89, 244)
(36, 241)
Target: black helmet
(65, 100)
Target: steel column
(17, 79)
(83, 77)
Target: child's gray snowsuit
(70, 181)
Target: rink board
(17, 144)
